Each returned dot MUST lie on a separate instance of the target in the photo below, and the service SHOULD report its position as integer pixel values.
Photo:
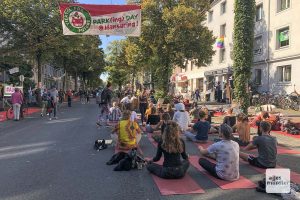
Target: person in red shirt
(17, 100)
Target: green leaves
(243, 49)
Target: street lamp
(21, 78)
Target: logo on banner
(77, 19)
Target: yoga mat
(185, 185)
(242, 183)
(281, 132)
(295, 177)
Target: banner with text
(87, 19)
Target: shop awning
(227, 70)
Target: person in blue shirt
(199, 132)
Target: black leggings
(169, 172)
(143, 108)
(208, 166)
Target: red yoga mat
(242, 183)
(295, 177)
(185, 185)
(281, 132)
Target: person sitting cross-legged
(173, 148)
(127, 133)
(199, 132)
(226, 153)
(266, 146)
(181, 117)
(242, 127)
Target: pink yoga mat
(185, 185)
(295, 177)
(242, 183)
(281, 132)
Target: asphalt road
(42, 159)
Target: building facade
(276, 57)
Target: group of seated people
(226, 150)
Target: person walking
(69, 94)
(54, 98)
(45, 99)
(17, 100)
(197, 95)
(105, 103)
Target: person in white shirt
(226, 153)
(126, 100)
(181, 117)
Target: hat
(179, 106)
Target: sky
(106, 40)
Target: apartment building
(275, 50)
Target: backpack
(104, 96)
(45, 97)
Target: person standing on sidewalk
(105, 103)
(54, 98)
(17, 100)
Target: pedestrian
(17, 100)
(54, 99)
(173, 148)
(105, 103)
(226, 153)
(197, 94)
(143, 104)
(69, 94)
(219, 92)
(228, 93)
(45, 99)
(87, 96)
(61, 95)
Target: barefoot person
(173, 148)
(266, 146)
(226, 153)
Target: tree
(243, 49)
(30, 27)
(173, 31)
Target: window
(257, 46)
(283, 4)
(222, 55)
(223, 30)
(210, 16)
(223, 7)
(257, 76)
(259, 13)
(283, 38)
(284, 73)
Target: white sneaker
(50, 118)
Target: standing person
(219, 92)
(45, 98)
(173, 148)
(54, 98)
(61, 95)
(17, 100)
(228, 93)
(143, 104)
(105, 103)
(266, 146)
(69, 94)
(87, 96)
(227, 156)
(197, 94)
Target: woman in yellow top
(127, 134)
(149, 110)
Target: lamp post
(21, 78)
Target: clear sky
(106, 40)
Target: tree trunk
(76, 81)
(132, 81)
(39, 68)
